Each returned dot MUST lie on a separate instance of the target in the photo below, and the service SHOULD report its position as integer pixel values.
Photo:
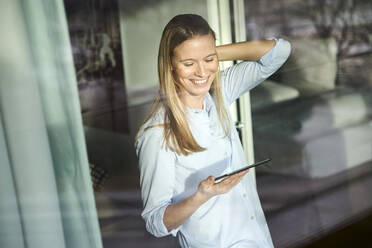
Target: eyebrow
(183, 60)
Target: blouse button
(244, 195)
(252, 217)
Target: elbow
(285, 50)
(154, 223)
(168, 226)
(155, 232)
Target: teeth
(200, 81)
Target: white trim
(219, 20)
(245, 100)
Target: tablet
(244, 168)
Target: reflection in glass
(314, 117)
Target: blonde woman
(189, 139)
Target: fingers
(235, 177)
(226, 184)
(209, 188)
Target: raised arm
(247, 50)
(260, 60)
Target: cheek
(183, 73)
(213, 70)
(213, 67)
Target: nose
(200, 70)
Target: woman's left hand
(208, 188)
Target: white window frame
(219, 19)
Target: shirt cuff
(155, 224)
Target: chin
(201, 92)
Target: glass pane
(313, 118)
(115, 49)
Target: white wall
(141, 28)
(141, 25)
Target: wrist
(200, 198)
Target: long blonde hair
(177, 134)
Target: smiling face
(195, 65)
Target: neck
(193, 102)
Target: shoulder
(236, 78)
(151, 131)
(238, 68)
(156, 119)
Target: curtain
(46, 197)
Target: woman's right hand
(208, 188)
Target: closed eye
(210, 58)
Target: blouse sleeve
(242, 77)
(157, 172)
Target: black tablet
(242, 169)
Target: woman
(189, 139)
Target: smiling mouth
(200, 82)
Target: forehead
(196, 47)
